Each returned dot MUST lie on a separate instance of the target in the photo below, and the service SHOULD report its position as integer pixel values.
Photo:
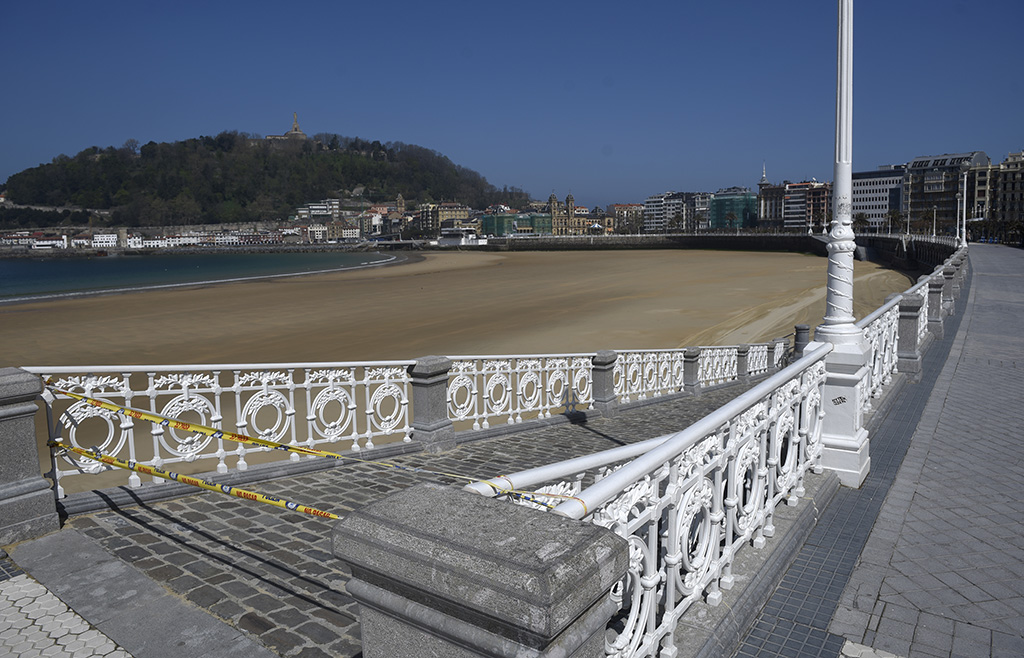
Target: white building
(875, 193)
(104, 241)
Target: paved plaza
(925, 559)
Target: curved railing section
(689, 501)
(881, 333)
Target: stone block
(438, 566)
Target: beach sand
(447, 303)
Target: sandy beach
(447, 303)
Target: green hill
(235, 177)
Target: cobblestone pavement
(927, 557)
(270, 573)
(35, 623)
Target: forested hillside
(235, 177)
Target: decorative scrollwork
(637, 593)
(388, 420)
(74, 419)
(461, 397)
(332, 397)
(695, 538)
(255, 406)
(188, 446)
(748, 487)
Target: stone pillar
(439, 571)
(743, 363)
(431, 425)
(27, 505)
(908, 350)
(691, 371)
(603, 382)
(949, 291)
(803, 336)
(845, 442)
(935, 309)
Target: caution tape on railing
(238, 492)
(215, 433)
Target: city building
(666, 212)
(1007, 191)
(805, 206)
(770, 201)
(516, 224)
(628, 216)
(733, 207)
(877, 194)
(931, 185)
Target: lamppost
(935, 209)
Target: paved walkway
(211, 575)
(927, 557)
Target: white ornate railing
(511, 389)
(298, 404)
(691, 500)
(717, 365)
(881, 333)
(640, 374)
(757, 359)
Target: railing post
(603, 382)
(433, 577)
(27, 506)
(908, 348)
(803, 336)
(691, 371)
(431, 425)
(949, 289)
(743, 363)
(935, 310)
(956, 264)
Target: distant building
(770, 201)
(932, 182)
(628, 217)
(733, 207)
(431, 216)
(516, 224)
(293, 135)
(878, 193)
(1006, 188)
(805, 205)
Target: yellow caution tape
(302, 450)
(238, 492)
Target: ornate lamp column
(844, 437)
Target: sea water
(24, 279)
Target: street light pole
(934, 210)
(839, 324)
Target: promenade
(925, 559)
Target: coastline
(389, 260)
(452, 303)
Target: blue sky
(610, 101)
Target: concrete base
(27, 510)
(848, 459)
(439, 571)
